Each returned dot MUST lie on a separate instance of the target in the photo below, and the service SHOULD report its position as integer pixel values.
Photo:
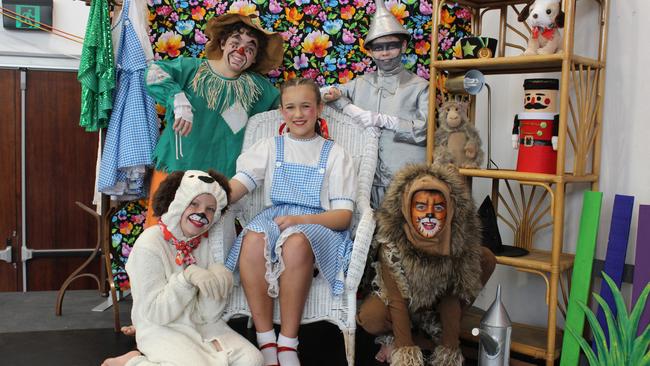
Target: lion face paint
(428, 212)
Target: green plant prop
(625, 348)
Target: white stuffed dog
(544, 17)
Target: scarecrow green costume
(221, 107)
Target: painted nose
(240, 51)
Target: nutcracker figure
(535, 130)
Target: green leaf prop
(624, 347)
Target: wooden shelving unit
(516, 65)
(529, 202)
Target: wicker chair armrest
(362, 240)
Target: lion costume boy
(425, 273)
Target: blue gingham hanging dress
(295, 190)
(133, 128)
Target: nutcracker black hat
(541, 84)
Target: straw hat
(267, 59)
(384, 23)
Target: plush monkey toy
(457, 141)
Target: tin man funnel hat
(384, 23)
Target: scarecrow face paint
(428, 212)
(198, 215)
(240, 51)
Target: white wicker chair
(321, 304)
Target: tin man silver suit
(399, 93)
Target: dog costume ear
(559, 19)
(525, 12)
(166, 193)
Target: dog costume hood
(194, 183)
(426, 270)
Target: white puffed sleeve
(253, 163)
(342, 183)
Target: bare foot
(217, 346)
(128, 330)
(121, 360)
(384, 353)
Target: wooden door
(60, 169)
(10, 273)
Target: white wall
(626, 148)
(43, 49)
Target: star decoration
(468, 49)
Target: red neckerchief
(546, 32)
(183, 248)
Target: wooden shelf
(515, 64)
(526, 339)
(580, 103)
(539, 260)
(493, 3)
(526, 176)
(490, 3)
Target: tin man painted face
(428, 212)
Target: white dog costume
(176, 323)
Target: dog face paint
(428, 212)
(198, 215)
(199, 218)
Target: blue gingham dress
(295, 190)
(133, 128)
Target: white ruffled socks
(267, 343)
(288, 351)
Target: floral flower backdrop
(126, 225)
(323, 38)
(323, 41)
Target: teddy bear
(457, 141)
(544, 17)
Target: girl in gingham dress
(310, 186)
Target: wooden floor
(30, 334)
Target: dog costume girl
(179, 290)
